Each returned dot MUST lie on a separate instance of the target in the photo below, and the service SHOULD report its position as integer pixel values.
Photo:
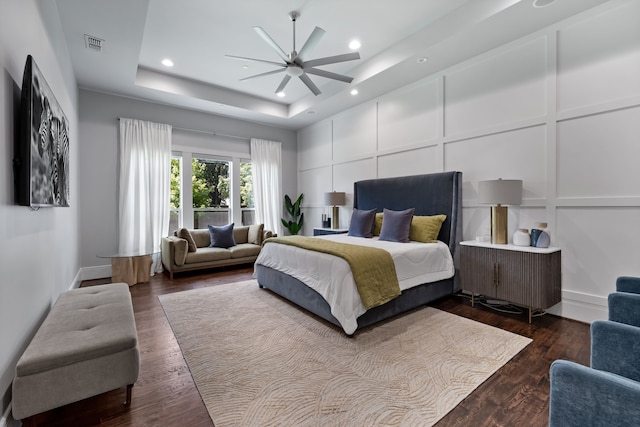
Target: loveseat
(188, 250)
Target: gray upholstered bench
(87, 345)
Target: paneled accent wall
(559, 109)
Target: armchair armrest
(268, 233)
(582, 396)
(615, 347)
(624, 307)
(173, 251)
(628, 284)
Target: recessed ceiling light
(280, 94)
(354, 91)
(422, 60)
(543, 3)
(354, 44)
(245, 67)
(167, 62)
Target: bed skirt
(297, 292)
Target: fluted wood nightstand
(522, 275)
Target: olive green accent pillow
(185, 234)
(377, 224)
(425, 229)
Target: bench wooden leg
(127, 401)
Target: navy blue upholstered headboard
(430, 194)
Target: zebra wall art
(49, 181)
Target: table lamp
(500, 192)
(335, 199)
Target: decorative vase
(540, 237)
(521, 237)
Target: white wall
(39, 253)
(559, 109)
(98, 159)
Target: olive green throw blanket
(373, 269)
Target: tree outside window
(210, 181)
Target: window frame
(186, 210)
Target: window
(175, 220)
(210, 185)
(246, 193)
(216, 190)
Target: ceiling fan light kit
(295, 63)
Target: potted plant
(294, 225)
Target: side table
(130, 268)
(527, 276)
(324, 231)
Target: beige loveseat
(178, 256)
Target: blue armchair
(624, 304)
(607, 393)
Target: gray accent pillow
(396, 225)
(361, 224)
(185, 234)
(221, 236)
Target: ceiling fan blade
(264, 36)
(244, 58)
(268, 73)
(312, 87)
(331, 60)
(329, 75)
(283, 83)
(311, 43)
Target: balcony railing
(213, 216)
(174, 219)
(210, 216)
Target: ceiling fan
(296, 63)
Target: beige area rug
(259, 361)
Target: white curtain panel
(266, 160)
(145, 158)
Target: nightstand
(522, 275)
(324, 231)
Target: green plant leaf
(294, 229)
(288, 205)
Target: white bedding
(331, 276)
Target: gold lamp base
(335, 223)
(499, 225)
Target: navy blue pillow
(221, 237)
(396, 225)
(362, 223)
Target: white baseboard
(96, 272)
(75, 283)
(581, 307)
(7, 420)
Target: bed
(429, 194)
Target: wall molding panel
(559, 109)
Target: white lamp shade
(500, 192)
(335, 198)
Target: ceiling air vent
(92, 42)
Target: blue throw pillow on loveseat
(221, 236)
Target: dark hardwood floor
(165, 395)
